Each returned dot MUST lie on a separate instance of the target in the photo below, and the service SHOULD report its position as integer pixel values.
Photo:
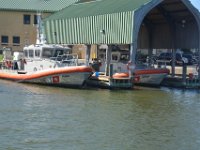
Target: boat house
(142, 24)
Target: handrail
(67, 58)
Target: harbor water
(36, 117)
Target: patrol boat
(45, 64)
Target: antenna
(40, 34)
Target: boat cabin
(45, 51)
(40, 57)
(119, 59)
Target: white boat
(146, 76)
(45, 64)
(143, 74)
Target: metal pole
(150, 50)
(173, 62)
(111, 70)
(108, 59)
(133, 51)
(87, 55)
(184, 72)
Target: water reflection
(40, 117)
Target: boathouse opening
(169, 26)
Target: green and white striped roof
(93, 22)
(35, 5)
(98, 22)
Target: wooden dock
(187, 78)
(178, 82)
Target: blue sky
(196, 3)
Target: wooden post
(87, 55)
(111, 70)
(150, 51)
(173, 62)
(133, 51)
(184, 72)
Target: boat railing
(161, 63)
(69, 59)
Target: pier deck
(191, 80)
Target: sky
(196, 3)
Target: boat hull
(152, 77)
(149, 79)
(66, 76)
(67, 79)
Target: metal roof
(35, 5)
(101, 21)
(98, 7)
(110, 28)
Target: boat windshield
(26, 53)
(37, 53)
(47, 52)
(31, 52)
(53, 52)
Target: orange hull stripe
(151, 71)
(141, 72)
(44, 73)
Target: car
(191, 59)
(196, 55)
(166, 57)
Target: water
(47, 118)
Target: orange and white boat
(147, 76)
(143, 74)
(45, 64)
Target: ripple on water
(40, 117)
